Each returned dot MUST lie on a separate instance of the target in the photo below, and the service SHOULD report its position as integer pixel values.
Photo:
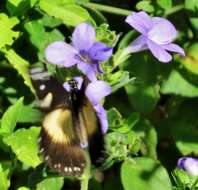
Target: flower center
(85, 57)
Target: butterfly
(70, 124)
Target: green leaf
(119, 79)
(114, 118)
(55, 183)
(23, 143)
(5, 182)
(177, 84)
(190, 61)
(10, 117)
(185, 137)
(181, 125)
(144, 174)
(23, 188)
(69, 13)
(39, 37)
(143, 94)
(145, 130)
(191, 5)
(21, 65)
(7, 35)
(50, 21)
(121, 146)
(29, 115)
(19, 7)
(129, 123)
(105, 35)
(165, 4)
(145, 5)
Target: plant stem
(108, 9)
(86, 175)
(174, 10)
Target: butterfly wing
(88, 118)
(60, 145)
(59, 142)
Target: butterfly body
(70, 124)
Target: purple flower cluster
(86, 53)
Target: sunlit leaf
(21, 65)
(41, 38)
(4, 181)
(10, 117)
(23, 143)
(69, 13)
(7, 35)
(165, 4)
(55, 183)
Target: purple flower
(85, 52)
(190, 165)
(96, 91)
(157, 35)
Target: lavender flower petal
(180, 163)
(97, 90)
(60, 53)
(79, 81)
(67, 86)
(87, 69)
(83, 36)
(100, 51)
(102, 115)
(139, 44)
(163, 31)
(174, 48)
(161, 54)
(140, 21)
(190, 165)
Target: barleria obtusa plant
(98, 95)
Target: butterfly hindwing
(60, 146)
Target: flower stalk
(108, 9)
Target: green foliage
(23, 143)
(5, 182)
(21, 65)
(7, 35)
(148, 134)
(10, 118)
(184, 88)
(184, 181)
(67, 11)
(144, 174)
(105, 35)
(51, 183)
(39, 37)
(165, 4)
(145, 5)
(152, 110)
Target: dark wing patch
(60, 145)
(50, 93)
(89, 119)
